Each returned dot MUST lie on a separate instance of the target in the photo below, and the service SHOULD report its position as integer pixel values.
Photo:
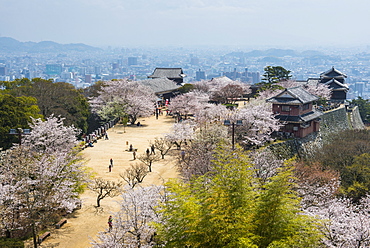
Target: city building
(132, 61)
(200, 75)
(3, 71)
(53, 69)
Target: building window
(305, 106)
(285, 108)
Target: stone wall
(333, 121)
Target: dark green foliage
(59, 99)
(272, 76)
(10, 85)
(93, 90)
(356, 177)
(15, 112)
(348, 153)
(363, 107)
(11, 243)
(231, 106)
(186, 88)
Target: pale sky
(241, 23)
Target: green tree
(356, 182)
(186, 88)
(272, 76)
(60, 99)
(15, 112)
(343, 153)
(214, 210)
(227, 208)
(279, 220)
(10, 85)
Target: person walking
(134, 154)
(110, 223)
(152, 149)
(147, 152)
(111, 162)
(110, 168)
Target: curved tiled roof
(336, 85)
(159, 85)
(167, 73)
(314, 114)
(332, 73)
(294, 96)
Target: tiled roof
(333, 73)
(160, 84)
(336, 85)
(294, 96)
(313, 80)
(167, 73)
(301, 118)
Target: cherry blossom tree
(258, 123)
(43, 176)
(313, 87)
(210, 113)
(188, 103)
(315, 182)
(181, 133)
(265, 164)
(318, 89)
(132, 225)
(344, 224)
(195, 159)
(223, 89)
(122, 97)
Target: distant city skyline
(237, 23)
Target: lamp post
(20, 132)
(232, 124)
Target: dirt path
(87, 222)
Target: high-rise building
(88, 78)
(97, 70)
(360, 88)
(3, 71)
(115, 65)
(200, 75)
(255, 77)
(131, 61)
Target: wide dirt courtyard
(84, 224)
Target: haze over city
(252, 23)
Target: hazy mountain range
(274, 52)
(10, 45)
